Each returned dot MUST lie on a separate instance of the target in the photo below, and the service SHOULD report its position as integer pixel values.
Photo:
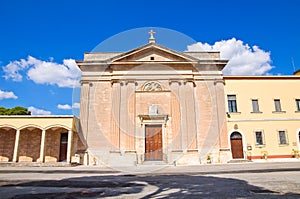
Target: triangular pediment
(153, 53)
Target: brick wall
(52, 144)
(29, 145)
(7, 142)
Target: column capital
(123, 82)
(86, 82)
(217, 81)
(174, 81)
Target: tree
(18, 110)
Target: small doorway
(236, 142)
(63, 147)
(153, 143)
(299, 138)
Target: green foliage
(18, 110)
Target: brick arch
(52, 142)
(58, 126)
(8, 126)
(31, 126)
(7, 142)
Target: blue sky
(38, 35)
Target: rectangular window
(259, 137)
(282, 137)
(277, 105)
(232, 107)
(298, 104)
(255, 107)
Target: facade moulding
(262, 119)
(123, 82)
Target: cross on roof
(151, 39)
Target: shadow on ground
(143, 186)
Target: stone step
(239, 161)
(35, 164)
(154, 163)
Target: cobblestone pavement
(265, 180)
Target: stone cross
(151, 39)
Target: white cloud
(36, 111)
(243, 59)
(64, 106)
(67, 106)
(44, 72)
(76, 105)
(12, 70)
(7, 95)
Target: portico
(38, 139)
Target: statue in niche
(152, 86)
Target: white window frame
(277, 104)
(235, 103)
(262, 138)
(286, 138)
(257, 104)
(297, 105)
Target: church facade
(154, 104)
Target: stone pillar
(115, 116)
(69, 150)
(42, 149)
(84, 108)
(15, 156)
(190, 108)
(123, 115)
(183, 112)
(127, 110)
(176, 116)
(130, 121)
(223, 145)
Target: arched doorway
(7, 142)
(29, 144)
(299, 139)
(56, 152)
(236, 142)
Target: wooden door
(63, 147)
(153, 145)
(236, 142)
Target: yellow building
(42, 139)
(263, 116)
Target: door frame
(298, 138)
(163, 133)
(243, 142)
(162, 140)
(60, 146)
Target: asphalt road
(269, 180)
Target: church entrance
(63, 147)
(153, 143)
(236, 142)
